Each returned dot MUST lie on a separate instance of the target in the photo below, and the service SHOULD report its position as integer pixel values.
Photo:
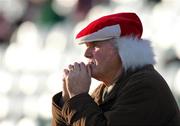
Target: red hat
(110, 26)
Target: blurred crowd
(37, 42)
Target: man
(132, 91)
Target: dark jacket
(141, 97)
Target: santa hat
(110, 26)
(127, 28)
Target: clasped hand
(76, 80)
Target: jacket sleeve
(135, 106)
(57, 104)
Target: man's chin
(94, 73)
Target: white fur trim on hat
(103, 34)
(134, 52)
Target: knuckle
(75, 63)
(70, 65)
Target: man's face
(103, 58)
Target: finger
(89, 70)
(86, 68)
(71, 67)
(82, 66)
(66, 72)
(77, 66)
(63, 79)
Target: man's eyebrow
(91, 43)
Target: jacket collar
(98, 93)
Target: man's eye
(93, 45)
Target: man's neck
(112, 77)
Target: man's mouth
(92, 62)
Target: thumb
(66, 72)
(89, 70)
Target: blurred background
(37, 42)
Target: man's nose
(88, 53)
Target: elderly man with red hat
(132, 91)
